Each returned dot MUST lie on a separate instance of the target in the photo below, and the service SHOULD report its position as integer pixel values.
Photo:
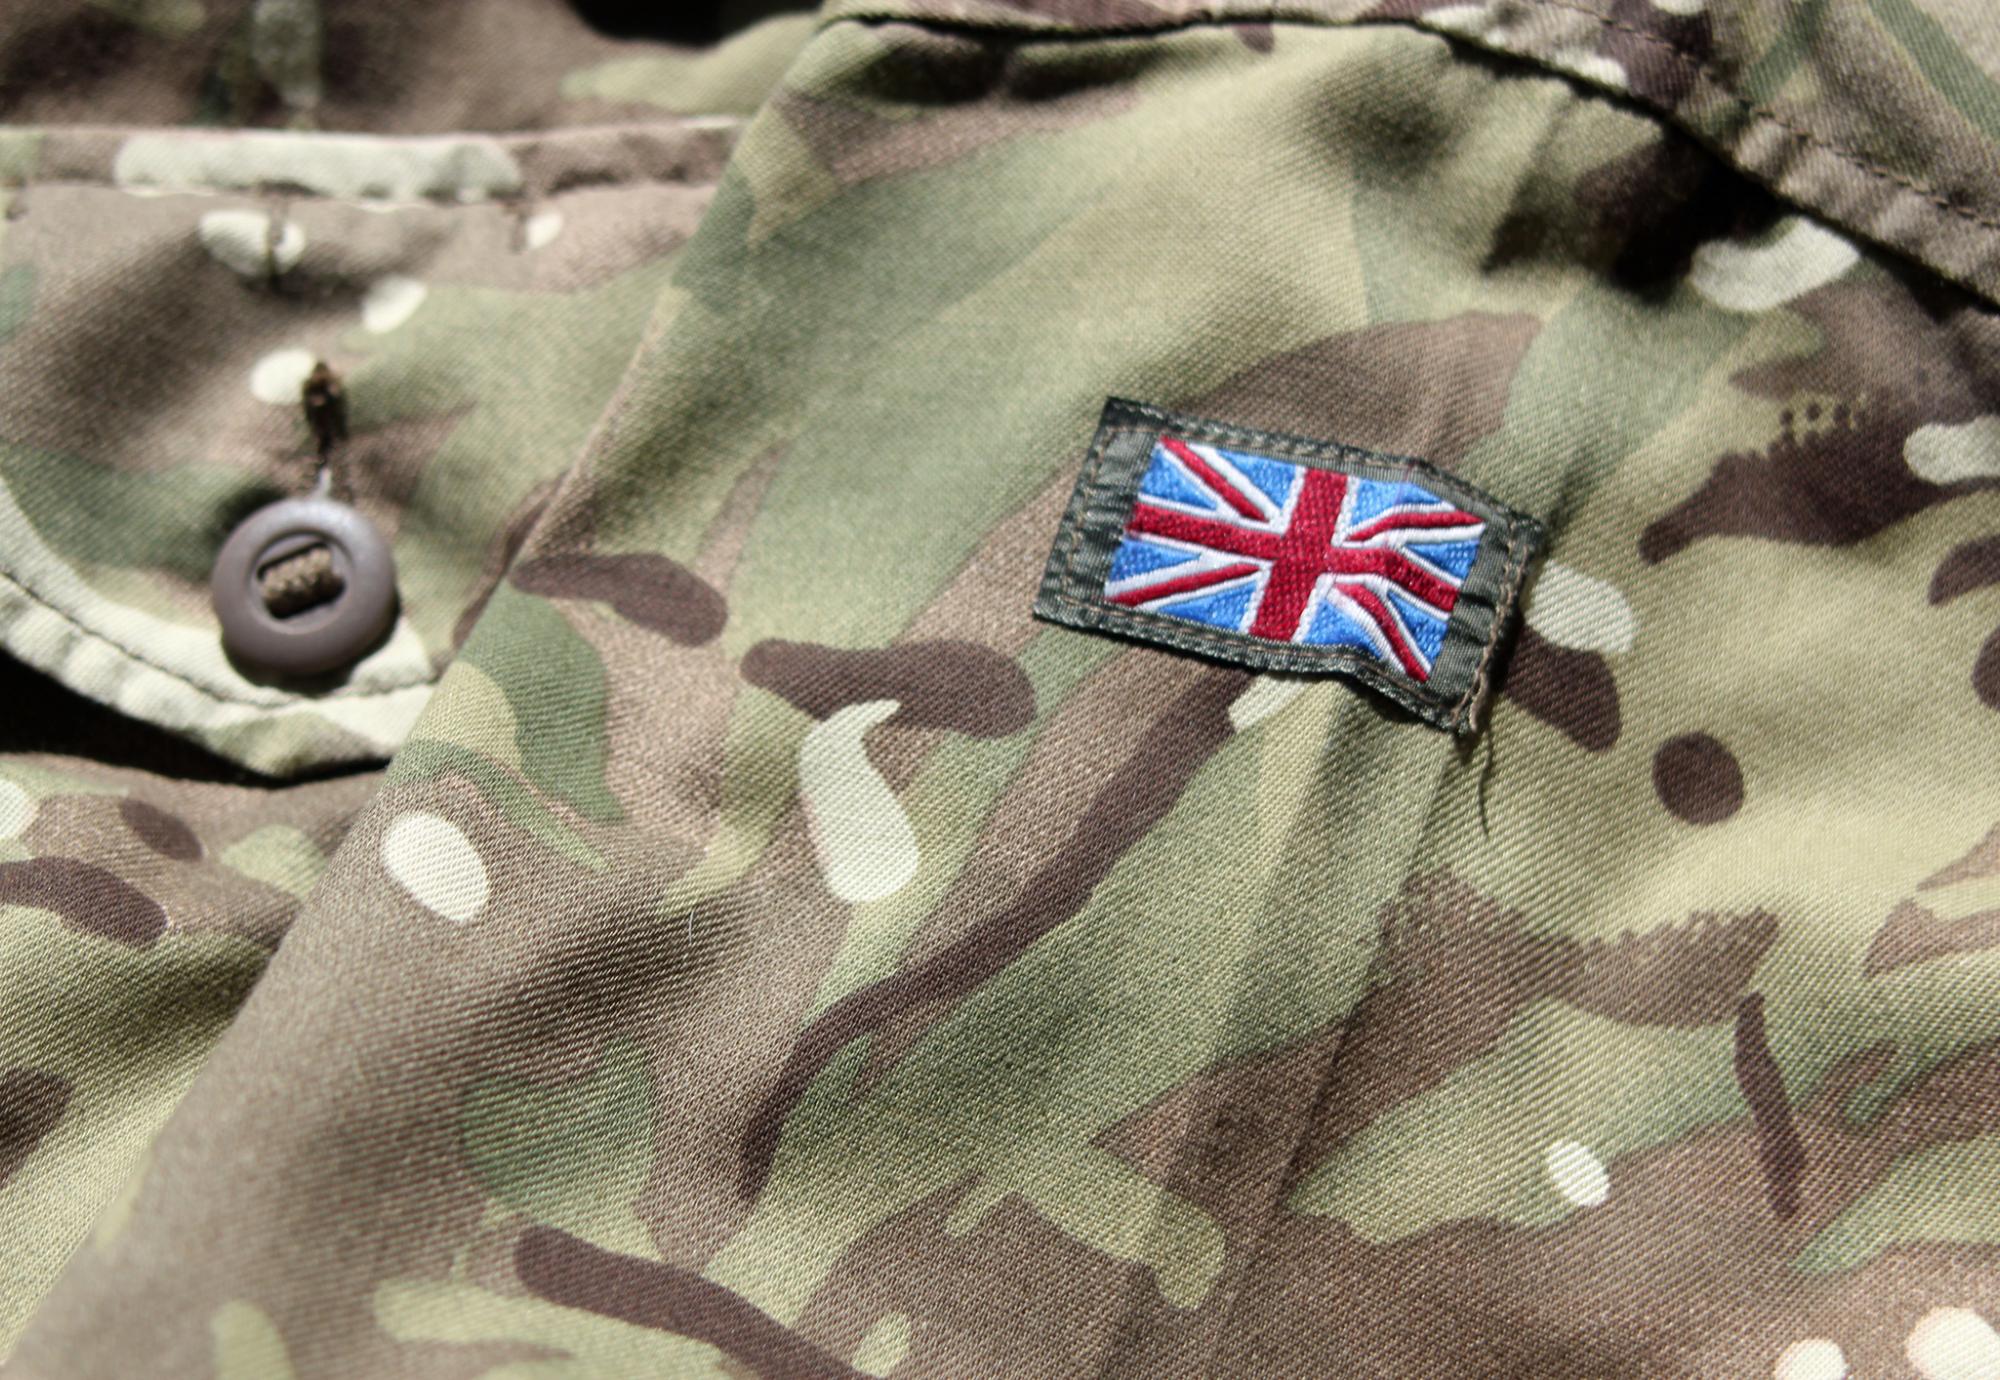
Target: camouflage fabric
(768, 950)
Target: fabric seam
(182, 678)
(1695, 67)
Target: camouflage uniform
(769, 950)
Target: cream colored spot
(17, 810)
(1813, 1359)
(242, 241)
(1684, 8)
(1946, 454)
(391, 301)
(1265, 697)
(1592, 67)
(1954, 1344)
(354, 167)
(278, 376)
(1571, 609)
(1460, 19)
(1576, 1173)
(542, 229)
(437, 864)
(885, 1345)
(1757, 277)
(859, 831)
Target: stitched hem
(1715, 99)
(521, 167)
(279, 702)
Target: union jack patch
(1286, 554)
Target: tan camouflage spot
(1573, 610)
(1758, 277)
(1813, 1359)
(17, 810)
(391, 301)
(1944, 454)
(1576, 1173)
(278, 376)
(1265, 697)
(1954, 1344)
(541, 229)
(244, 242)
(432, 860)
(859, 832)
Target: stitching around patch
(1086, 541)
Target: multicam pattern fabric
(772, 951)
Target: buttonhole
(300, 580)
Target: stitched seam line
(1210, 18)
(692, 133)
(1510, 584)
(1697, 67)
(182, 678)
(433, 201)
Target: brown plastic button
(291, 627)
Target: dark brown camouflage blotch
(500, 553)
(1834, 487)
(1256, 37)
(961, 686)
(563, 1269)
(1641, 216)
(648, 589)
(1662, 53)
(1354, 387)
(1986, 671)
(87, 898)
(1892, 360)
(31, 1103)
(1570, 690)
(166, 834)
(1914, 933)
(1133, 799)
(1697, 778)
(1459, 967)
(1763, 1085)
(1969, 566)
(1981, 860)
(956, 94)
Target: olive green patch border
(1072, 588)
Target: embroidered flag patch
(1287, 554)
